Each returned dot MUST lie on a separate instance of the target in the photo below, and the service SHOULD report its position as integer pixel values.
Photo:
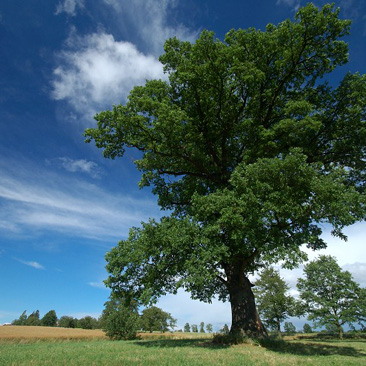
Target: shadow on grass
(172, 343)
(311, 349)
(280, 346)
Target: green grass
(179, 352)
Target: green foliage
(250, 149)
(119, 320)
(274, 304)
(67, 322)
(225, 329)
(155, 319)
(202, 327)
(330, 296)
(289, 328)
(194, 328)
(307, 328)
(33, 319)
(49, 319)
(209, 328)
(87, 322)
(187, 328)
(22, 319)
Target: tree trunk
(245, 318)
(340, 331)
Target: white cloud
(34, 199)
(80, 165)
(32, 264)
(69, 7)
(153, 21)
(99, 284)
(97, 71)
(294, 4)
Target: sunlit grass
(173, 349)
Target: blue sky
(62, 206)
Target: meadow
(58, 346)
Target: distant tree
(225, 329)
(209, 328)
(330, 296)
(273, 302)
(49, 319)
(289, 327)
(22, 319)
(202, 327)
(87, 322)
(331, 328)
(120, 321)
(307, 328)
(33, 319)
(187, 328)
(67, 322)
(194, 328)
(155, 319)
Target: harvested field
(29, 333)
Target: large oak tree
(249, 150)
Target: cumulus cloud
(32, 264)
(80, 165)
(97, 71)
(69, 7)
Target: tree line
(50, 319)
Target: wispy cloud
(100, 285)
(79, 165)
(153, 21)
(69, 7)
(34, 199)
(96, 71)
(294, 4)
(32, 264)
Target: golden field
(17, 332)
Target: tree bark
(245, 319)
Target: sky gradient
(62, 205)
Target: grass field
(57, 346)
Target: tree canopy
(330, 295)
(249, 149)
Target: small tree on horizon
(33, 319)
(194, 328)
(49, 319)
(307, 328)
(22, 319)
(209, 328)
(67, 322)
(202, 327)
(187, 328)
(289, 328)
